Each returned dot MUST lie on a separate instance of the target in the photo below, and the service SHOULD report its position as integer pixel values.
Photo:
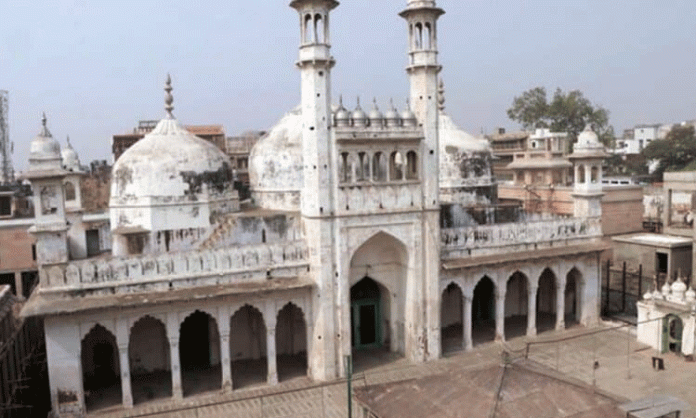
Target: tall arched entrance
(516, 306)
(573, 297)
(199, 354)
(451, 319)
(546, 301)
(148, 353)
(291, 343)
(378, 278)
(483, 311)
(248, 347)
(101, 371)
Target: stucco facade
(341, 249)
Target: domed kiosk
(168, 189)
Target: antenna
(6, 170)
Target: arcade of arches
(150, 362)
(490, 310)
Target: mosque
(366, 231)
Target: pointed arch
(516, 304)
(451, 317)
(101, 368)
(150, 365)
(199, 353)
(546, 300)
(248, 355)
(319, 29)
(291, 342)
(483, 310)
(574, 289)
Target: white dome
(44, 152)
(458, 151)
(170, 162)
(588, 136)
(71, 161)
(275, 165)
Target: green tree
(675, 153)
(566, 112)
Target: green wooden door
(367, 319)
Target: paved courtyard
(624, 368)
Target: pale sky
(97, 67)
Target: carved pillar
(223, 321)
(122, 331)
(531, 311)
(468, 342)
(500, 315)
(173, 334)
(125, 376)
(226, 363)
(560, 305)
(271, 354)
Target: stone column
(19, 286)
(225, 361)
(500, 315)
(125, 376)
(467, 340)
(531, 311)
(560, 306)
(177, 390)
(271, 354)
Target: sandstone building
(365, 231)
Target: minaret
(317, 195)
(315, 63)
(423, 69)
(46, 175)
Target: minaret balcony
(315, 52)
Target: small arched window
(379, 167)
(594, 177)
(412, 166)
(396, 166)
(343, 168)
(419, 36)
(363, 170)
(427, 37)
(581, 175)
(307, 31)
(318, 29)
(70, 194)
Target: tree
(674, 153)
(567, 112)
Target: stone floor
(623, 368)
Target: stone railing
(522, 236)
(370, 197)
(176, 270)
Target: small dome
(588, 136)
(666, 289)
(648, 296)
(409, 117)
(359, 116)
(71, 161)
(679, 286)
(392, 116)
(376, 117)
(690, 295)
(44, 146)
(657, 295)
(342, 116)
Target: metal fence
(622, 287)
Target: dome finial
(391, 104)
(44, 130)
(374, 102)
(358, 105)
(68, 140)
(168, 98)
(441, 96)
(340, 101)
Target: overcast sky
(97, 67)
